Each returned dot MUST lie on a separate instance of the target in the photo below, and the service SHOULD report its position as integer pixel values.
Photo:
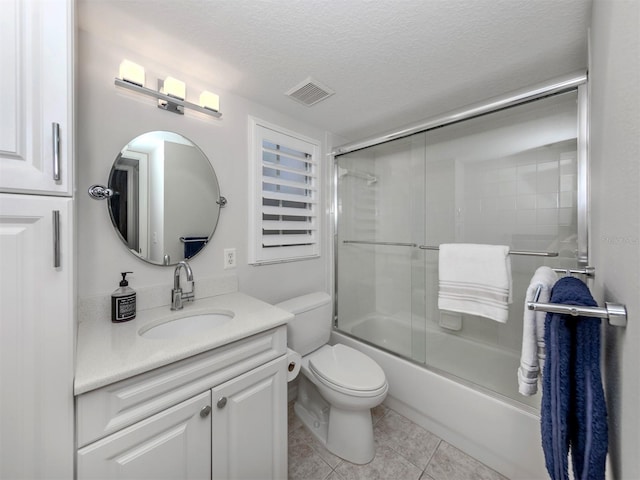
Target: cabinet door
(36, 61)
(250, 424)
(36, 338)
(173, 444)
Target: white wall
(615, 199)
(109, 117)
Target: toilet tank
(311, 325)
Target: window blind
(286, 179)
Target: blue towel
(574, 413)
(193, 245)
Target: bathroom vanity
(210, 404)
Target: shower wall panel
(380, 196)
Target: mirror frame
(109, 193)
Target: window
(284, 176)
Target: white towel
(475, 279)
(533, 352)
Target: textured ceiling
(390, 62)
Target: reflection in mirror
(164, 205)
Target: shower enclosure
(505, 174)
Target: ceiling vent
(309, 92)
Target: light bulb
(210, 100)
(132, 72)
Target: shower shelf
(615, 313)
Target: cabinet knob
(205, 411)
(222, 401)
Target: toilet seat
(348, 371)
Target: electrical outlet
(229, 258)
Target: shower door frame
(576, 81)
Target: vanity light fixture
(210, 101)
(171, 92)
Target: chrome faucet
(177, 295)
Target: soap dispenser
(123, 302)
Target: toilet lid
(347, 368)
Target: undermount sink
(184, 326)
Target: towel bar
(436, 247)
(615, 313)
(588, 271)
(395, 244)
(193, 239)
(512, 252)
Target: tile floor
(404, 451)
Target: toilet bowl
(338, 385)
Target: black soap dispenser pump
(123, 302)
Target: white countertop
(108, 352)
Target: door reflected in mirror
(165, 203)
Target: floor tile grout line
(386, 411)
(435, 450)
(411, 462)
(313, 447)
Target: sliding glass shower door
(508, 178)
(380, 220)
(504, 178)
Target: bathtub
(485, 366)
(498, 432)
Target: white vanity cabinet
(221, 414)
(36, 118)
(36, 337)
(37, 297)
(173, 444)
(250, 424)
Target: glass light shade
(132, 72)
(210, 100)
(175, 88)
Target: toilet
(338, 385)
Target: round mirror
(165, 197)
